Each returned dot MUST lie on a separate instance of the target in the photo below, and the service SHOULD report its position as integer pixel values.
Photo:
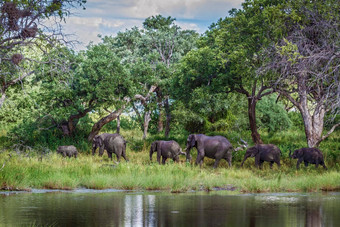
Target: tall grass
(54, 172)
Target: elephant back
(113, 140)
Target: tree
(230, 54)
(81, 83)
(167, 43)
(150, 55)
(307, 63)
(23, 25)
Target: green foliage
(271, 115)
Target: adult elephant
(166, 149)
(114, 145)
(263, 152)
(215, 147)
(98, 142)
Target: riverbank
(51, 171)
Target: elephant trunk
(151, 152)
(188, 156)
(181, 152)
(101, 150)
(94, 148)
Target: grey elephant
(215, 147)
(98, 142)
(263, 153)
(114, 145)
(67, 151)
(166, 149)
(308, 155)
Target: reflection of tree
(313, 216)
(129, 209)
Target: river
(128, 208)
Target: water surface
(121, 208)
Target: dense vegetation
(266, 73)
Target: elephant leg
(316, 164)
(217, 161)
(118, 157)
(271, 165)
(261, 163)
(124, 156)
(110, 155)
(201, 162)
(158, 157)
(245, 158)
(200, 157)
(278, 164)
(323, 164)
(163, 160)
(306, 164)
(229, 161)
(298, 163)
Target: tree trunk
(2, 99)
(69, 127)
(168, 117)
(99, 125)
(313, 125)
(160, 107)
(118, 124)
(147, 118)
(252, 120)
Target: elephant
(166, 149)
(114, 144)
(98, 142)
(263, 152)
(215, 147)
(308, 155)
(68, 151)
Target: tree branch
(328, 134)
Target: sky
(108, 17)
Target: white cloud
(107, 17)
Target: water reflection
(159, 209)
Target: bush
(271, 115)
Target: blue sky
(108, 17)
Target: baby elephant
(308, 155)
(68, 151)
(166, 149)
(263, 152)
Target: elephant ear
(100, 141)
(193, 140)
(158, 145)
(94, 141)
(154, 146)
(299, 153)
(255, 150)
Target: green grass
(27, 170)
(55, 172)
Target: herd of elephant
(215, 147)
